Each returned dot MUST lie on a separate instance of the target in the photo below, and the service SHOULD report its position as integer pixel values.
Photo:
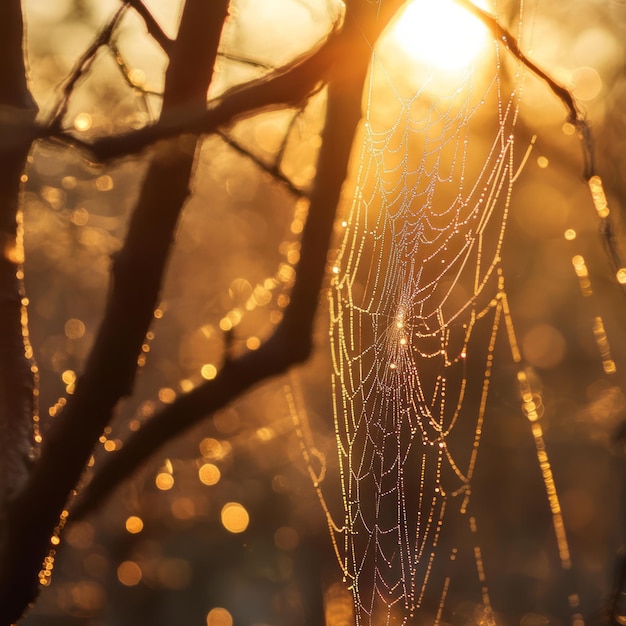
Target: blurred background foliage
(224, 524)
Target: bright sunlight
(440, 33)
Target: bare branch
(110, 369)
(291, 343)
(126, 73)
(17, 372)
(82, 66)
(155, 30)
(272, 169)
(246, 61)
(288, 86)
(575, 117)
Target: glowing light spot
(440, 34)
(14, 253)
(570, 234)
(164, 481)
(158, 314)
(69, 182)
(109, 445)
(226, 324)
(147, 408)
(186, 385)
(80, 216)
(580, 267)
(209, 474)
(211, 449)
(235, 518)
(219, 617)
(74, 329)
(403, 341)
(253, 343)
(82, 122)
(297, 226)
(335, 270)
(393, 366)
(167, 395)
(208, 371)
(265, 434)
(68, 377)
(621, 275)
(286, 273)
(598, 196)
(104, 183)
(542, 162)
(129, 573)
(568, 129)
(137, 77)
(134, 524)
(54, 540)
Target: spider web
(417, 301)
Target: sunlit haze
(441, 34)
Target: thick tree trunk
(17, 371)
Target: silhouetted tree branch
(110, 369)
(17, 373)
(138, 268)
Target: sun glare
(440, 33)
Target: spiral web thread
(417, 302)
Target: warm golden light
(208, 371)
(598, 196)
(129, 573)
(235, 518)
(82, 122)
(164, 481)
(134, 524)
(219, 617)
(209, 474)
(441, 34)
(211, 448)
(74, 329)
(167, 395)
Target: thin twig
(292, 122)
(246, 61)
(575, 116)
(82, 66)
(125, 71)
(272, 169)
(154, 29)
